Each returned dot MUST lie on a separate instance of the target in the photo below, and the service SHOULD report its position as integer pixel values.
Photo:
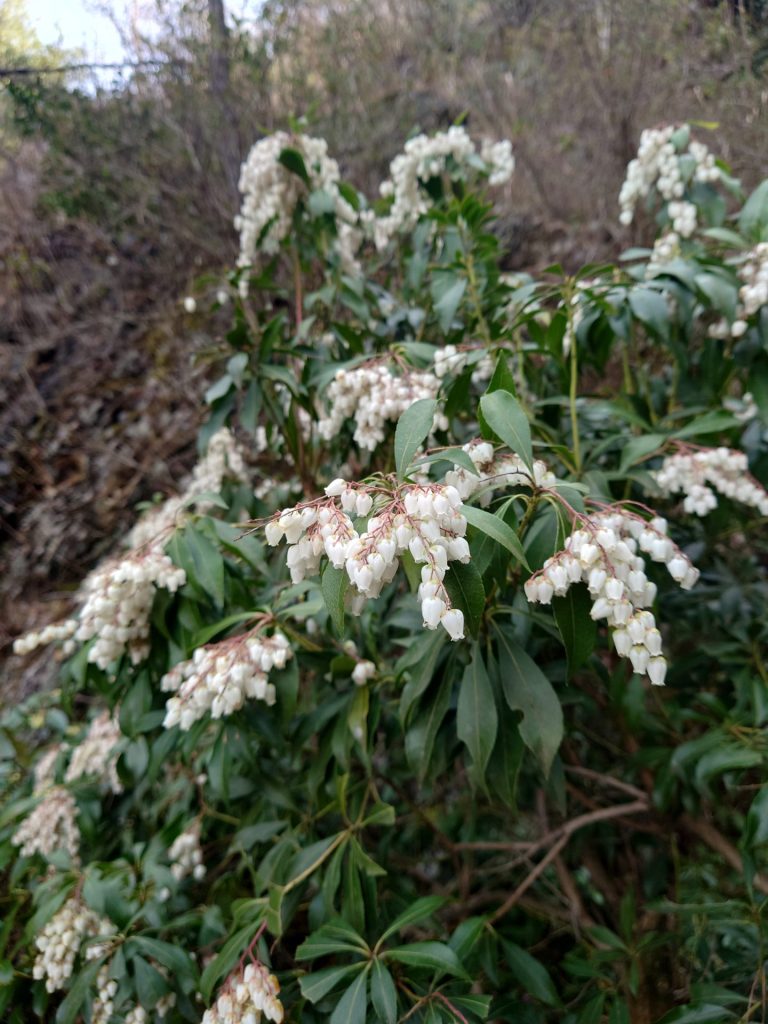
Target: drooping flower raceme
(496, 471)
(603, 553)
(96, 754)
(51, 826)
(220, 677)
(271, 192)
(451, 152)
(248, 995)
(373, 396)
(699, 473)
(424, 520)
(61, 939)
(668, 160)
(186, 855)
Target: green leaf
(150, 984)
(447, 292)
(383, 993)
(172, 956)
(506, 418)
(335, 937)
(426, 652)
(455, 456)
(531, 974)
(527, 689)
(294, 161)
(227, 958)
(84, 980)
(577, 627)
(476, 718)
(479, 1005)
(639, 448)
(650, 308)
(204, 636)
(420, 738)
(466, 591)
(494, 527)
(419, 910)
(412, 428)
(754, 215)
(334, 586)
(721, 293)
(352, 1006)
(710, 423)
(436, 956)
(315, 986)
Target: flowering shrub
(359, 726)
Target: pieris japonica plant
(437, 693)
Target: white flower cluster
(56, 632)
(45, 769)
(665, 249)
(698, 474)
(51, 826)
(220, 677)
(372, 396)
(661, 163)
(452, 360)
(362, 672)
(271, 191)
(423, 158)
(118, 602)
(753, 294)
(104, 1000)
(60, 940)
(186, 855)
(249, 994)
(425, 520)
(97, 753)
(118, 595)
(603, 553)
(223, 458)
(496, 471)
(743, 409)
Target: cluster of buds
(665, 249)
(496, 471)
(753, 293)
(451, 152)
(249, 994)
(271, 192)
(51, 826)
(423, 519)
(96, 755)
(667, 160)
(45, 769)
(362, 672)
(56, 632)
(60, 940)
(104, 1001)
(223, 460)
(603, 553)
(373, 396)
(118, 602)
(186, 855)
(699, 473)
(220, 677)
(452, 360)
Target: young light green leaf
(506, 418)
(412, 428)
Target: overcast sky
(74, 24)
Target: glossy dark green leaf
(465, 589)
(577, 628)
(317, 985)
(506, 418)
(351, 1008)
(412, 429)
(476, 718)
(383, 993)
(435, 956)
(334, 584)
(494, 527)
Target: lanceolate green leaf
(506, 418)
(383, 993)
(577, 628)
(527, 689)
(352, 1005)
(412, 428)
(418, 911)
(465, 589)
(434, 955)
(334, 586)
(496, 528)
(315, 986)
(477, 718)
